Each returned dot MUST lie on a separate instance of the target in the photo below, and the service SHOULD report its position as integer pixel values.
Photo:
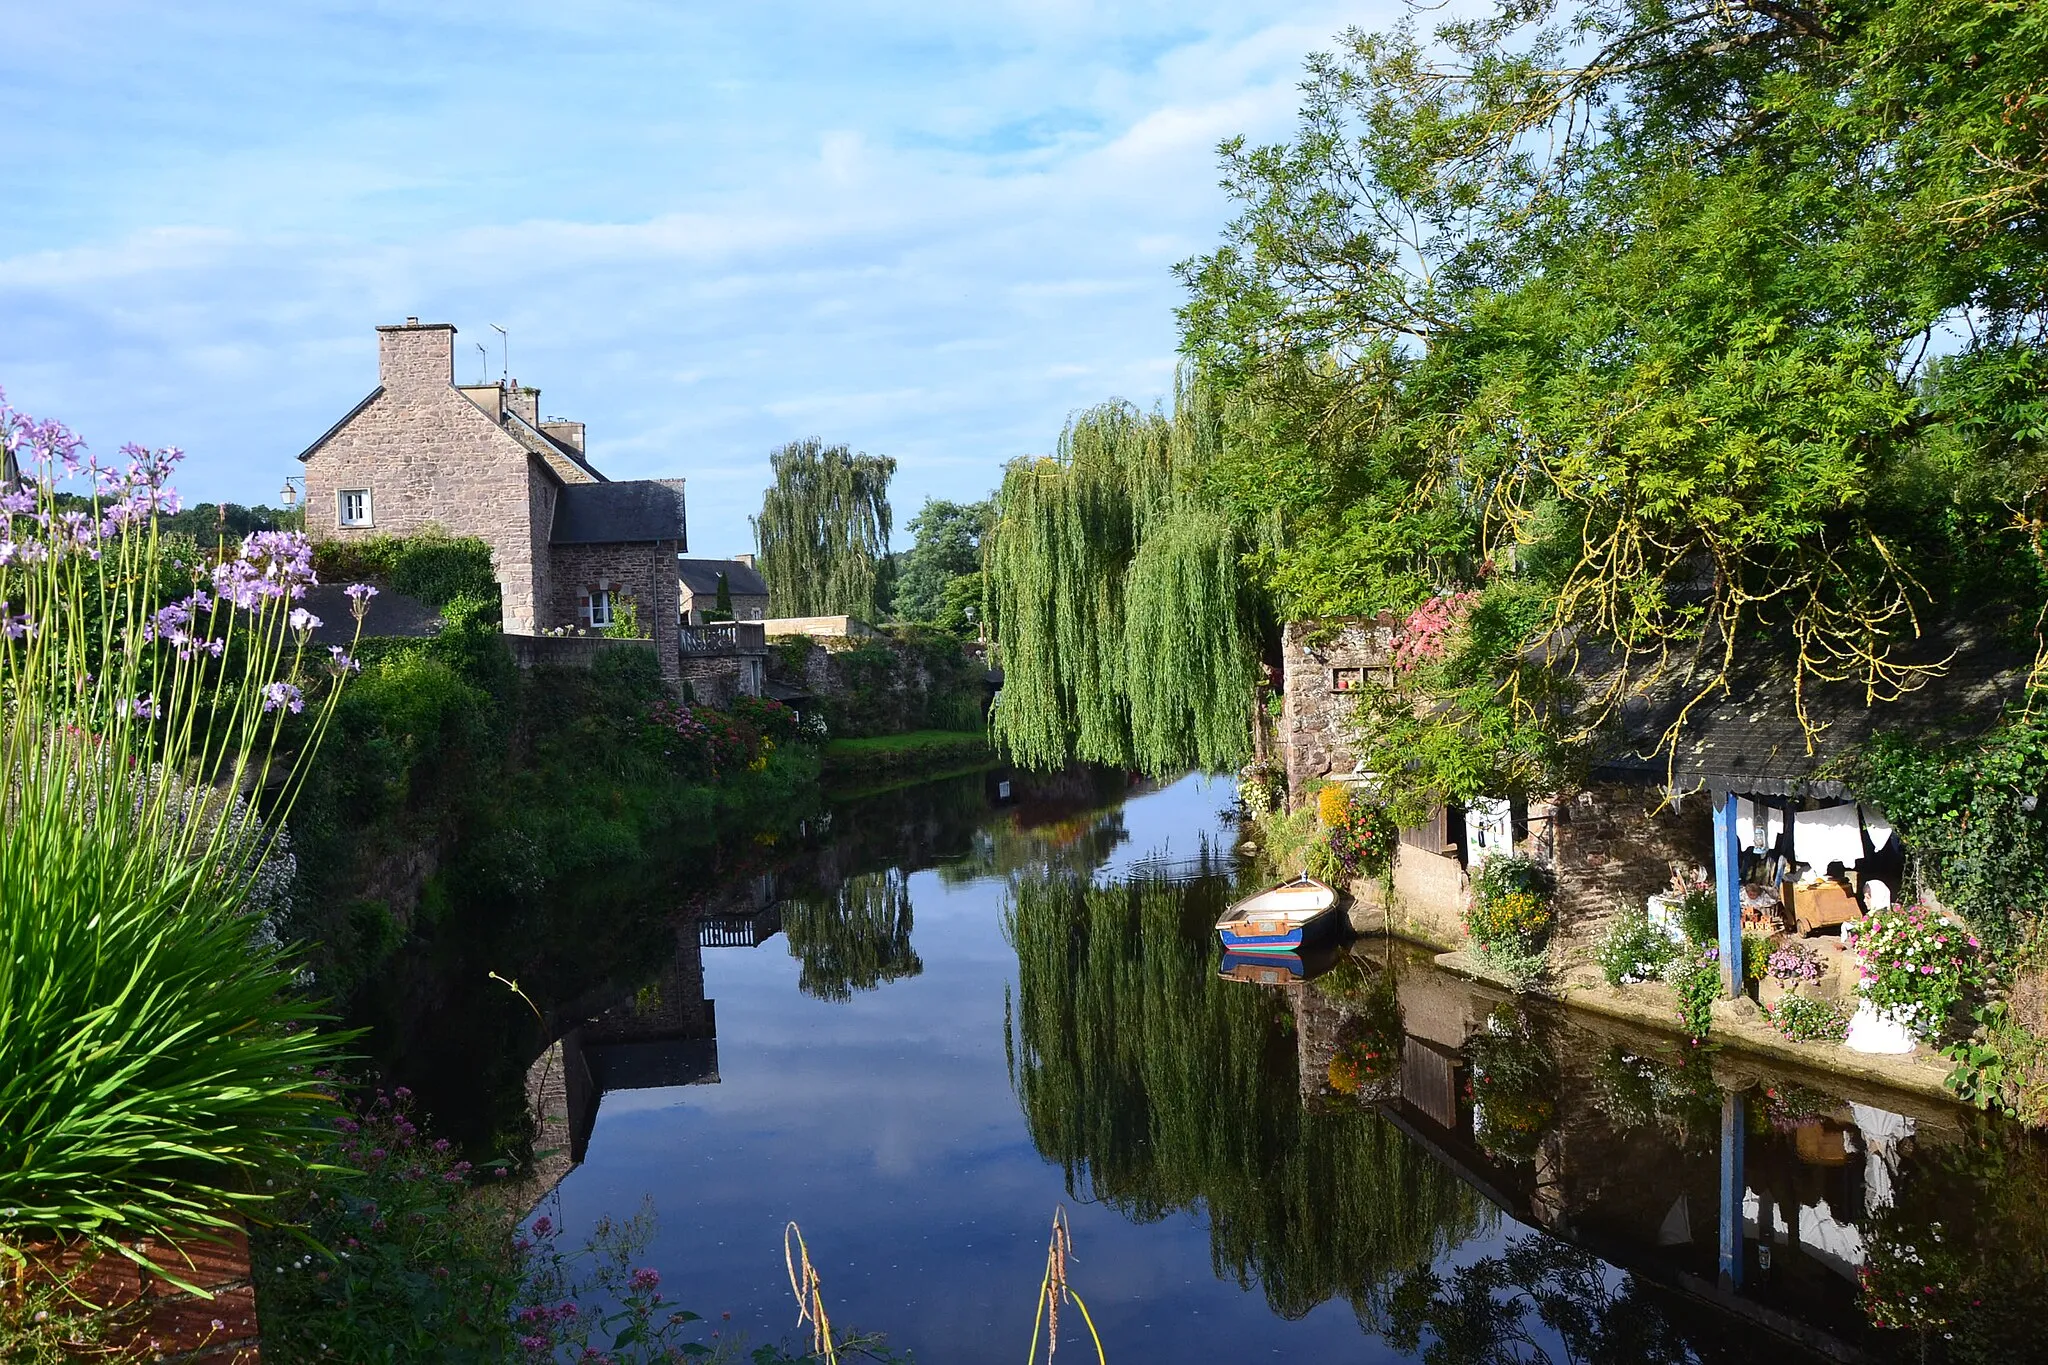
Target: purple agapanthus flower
(283, 694)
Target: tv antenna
(483, 362)
(504, 341)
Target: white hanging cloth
(1831, 835)
(1489, 829)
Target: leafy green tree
(946, 552)
(823, 531)
(1721, 325)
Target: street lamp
(289, 494)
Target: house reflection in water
(664, 1033)
(1715, 1176)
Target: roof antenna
(483, 361)
(504, 340)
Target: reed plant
(154, 717)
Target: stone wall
(431, 457)
(1323, 663)
(714, 680)
(1616, 844)
(887, 684)
(565, 651)
(644, 572)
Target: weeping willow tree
(854, 939)
(1120, 616)
(823, 532)
(1160, 1089)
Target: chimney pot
(412, 322)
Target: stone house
(569, 545)
(746, 590)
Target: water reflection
(854, 938)
(1158, 1089)
(941, 1010)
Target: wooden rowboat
(1281, 919)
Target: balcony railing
(725, 637)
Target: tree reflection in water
(1161, 1089)
(854, 938)
(1539, 1302)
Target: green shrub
(1633, 949)
(432, 565)
(1699, 915)
(1807, 1020)
(1696, 977)
(1971, 813)
(1505, 873)
(1511, 906)
(386, 1254)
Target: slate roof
(619, 512)
(390, 614)
(700, 576)
(1751, 740)
(549, 448)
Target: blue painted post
(1728, 894)
(1732, 1190)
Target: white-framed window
(352, 506)
(754, 613)
(600, 608)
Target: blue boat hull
(1260, 943)
(1293, 940)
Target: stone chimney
(568, 433)
(525, 402)
(747, 560)
(415, 355)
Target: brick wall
(431, 457)
(1322, 661)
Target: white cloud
(930, 233)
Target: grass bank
(917, 752)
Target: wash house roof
(1751, 739)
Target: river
(926, 1019)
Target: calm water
(964, 1011)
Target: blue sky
(926, 230)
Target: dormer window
(353, 506)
